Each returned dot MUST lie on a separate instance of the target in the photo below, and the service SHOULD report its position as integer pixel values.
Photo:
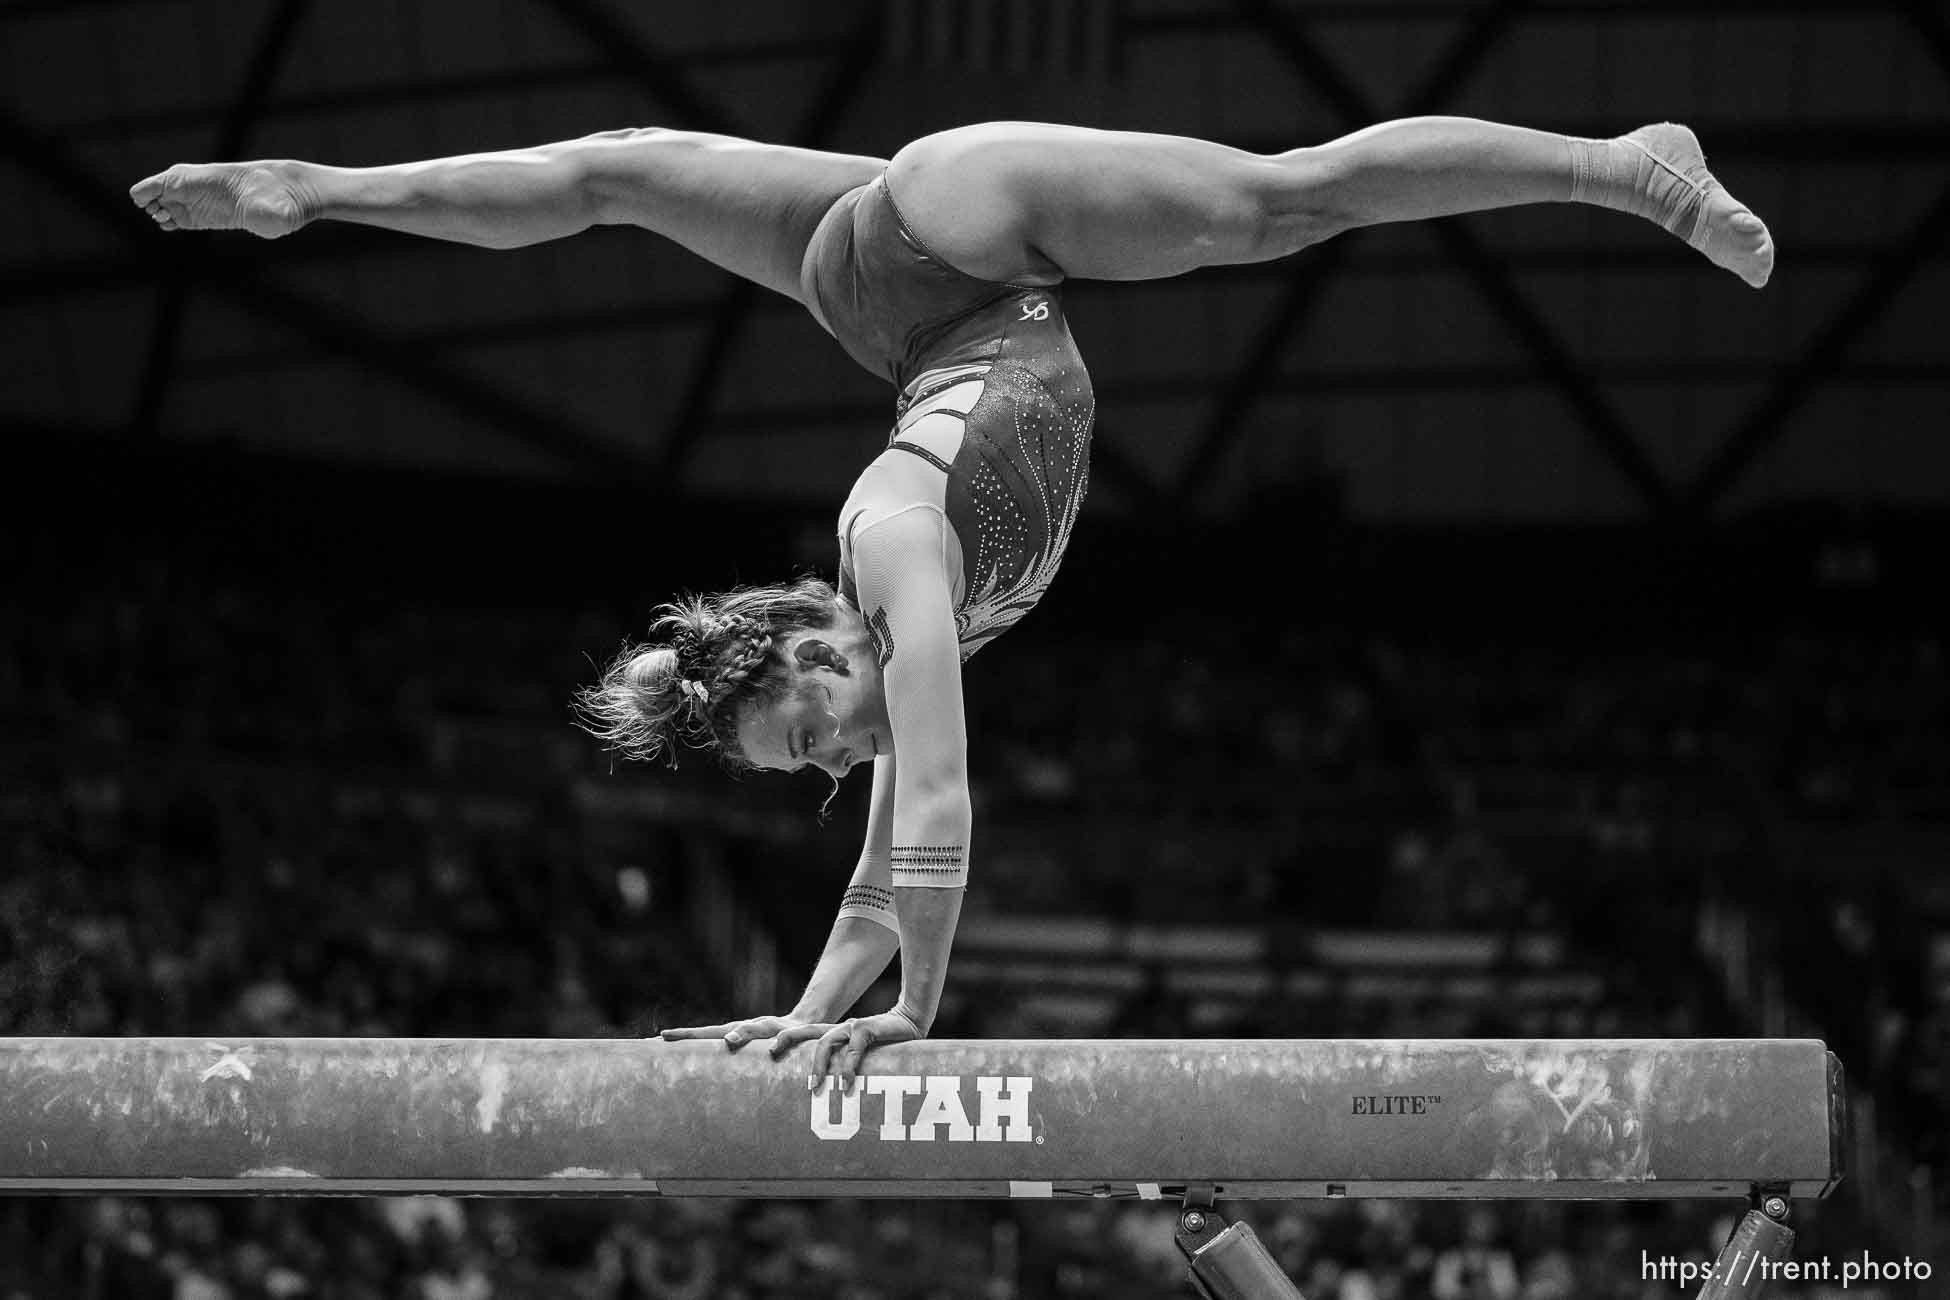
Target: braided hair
(708, 657)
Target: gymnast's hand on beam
(843, 1045)
(786, 1032)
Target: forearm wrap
(930, 866)
(871, 903)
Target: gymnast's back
(993, 423)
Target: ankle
(1595, 168)
(303, 182)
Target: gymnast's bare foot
(264, 198)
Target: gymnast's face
(833, 717)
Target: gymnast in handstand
(940, 270)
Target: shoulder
(894, 482)
(915, 530)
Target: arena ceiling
(1547, 363)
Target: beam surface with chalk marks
(1557, 1119)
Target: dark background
(1505, 625)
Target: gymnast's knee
(1298, 199)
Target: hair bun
(651, 670)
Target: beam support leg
(1228, 1261)
(1754, 1253)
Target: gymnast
(940, 270)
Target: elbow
(937, 797)
(945, 803)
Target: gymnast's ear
(812, 652)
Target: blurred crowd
(260, 809)
(435, 1249)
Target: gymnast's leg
(1019, 201)
(750, 208)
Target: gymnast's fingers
(830, 1042)
(793, 1035)
(749, 1031)
(697, 1031)
(858, 1040)
(736, 1033)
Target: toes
(1757, 272)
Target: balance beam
(1616, 1118)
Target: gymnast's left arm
(904, 595)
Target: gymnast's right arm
(507, 199)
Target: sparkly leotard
(992, 428)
